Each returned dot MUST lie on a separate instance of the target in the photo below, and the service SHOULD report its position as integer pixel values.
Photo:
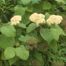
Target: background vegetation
(27, 44)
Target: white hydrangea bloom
(37, 18)
(15, 20)
(59, 19)
(54, 19)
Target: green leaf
(46, 34)
(6, 41)
(28, 39)
(22, 25)
(47, 15)
(22, 38)
(39, 58)
(54, 46)
(25, 19)
(19, 10)
(31, 27)
(25, 2)
(56, 31)
(22, 52)
(47, 5)
(8, 31)
(12, 61)
(51, 34)
(9, 53)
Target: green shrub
(32, 32)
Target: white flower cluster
(37, 18)
(15, 20)
(40, 18)
(54, 19)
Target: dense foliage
(27, 43)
